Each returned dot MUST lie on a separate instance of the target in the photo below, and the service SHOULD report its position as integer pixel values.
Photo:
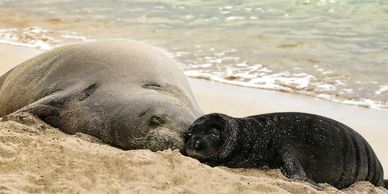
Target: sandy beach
(35, 157)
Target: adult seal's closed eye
(306, 147)
(129, 94)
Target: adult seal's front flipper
(46, 109)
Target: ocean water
(331, 49)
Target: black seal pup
(127, 93)
(305, 147)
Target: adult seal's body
(127, 93)
(306, 147)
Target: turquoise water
(332, 49)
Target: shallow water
(332, 49)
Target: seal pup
(127, 93)
(305, 147)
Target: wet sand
(35, 157)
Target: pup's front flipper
(292, 168)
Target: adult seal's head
(127, 93)
(211, 137)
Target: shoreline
(243, 101)
(11, 56)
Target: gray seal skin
(127, 93)
(305, 147)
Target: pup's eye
(215, 132)
(189, 134)
(157, 120)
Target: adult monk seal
(129, 94)
(306, 147)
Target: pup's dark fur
(306, 147)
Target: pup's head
(211, 137)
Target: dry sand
(35, 157)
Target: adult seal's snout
(123, 92)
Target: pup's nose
(196, 144)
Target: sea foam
(39, 38)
